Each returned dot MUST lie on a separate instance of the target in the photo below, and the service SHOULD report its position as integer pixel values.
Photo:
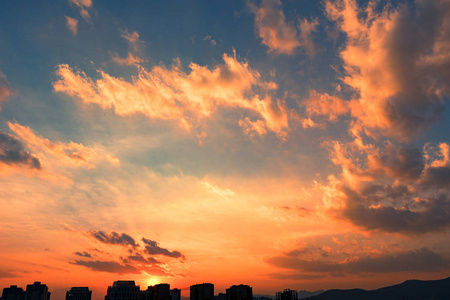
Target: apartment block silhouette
(13, 293)
(79, 293)
(204, 291)
(37, 291)
(123, 290)
(239, 292)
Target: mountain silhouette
(408, 290)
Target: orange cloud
(277, 34)
(130, 60)
(171, 94)
(72, 24)
(390, 59)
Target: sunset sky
(281, 144)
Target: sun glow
(153, 281)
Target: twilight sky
(282, 144)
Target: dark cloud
(107, 266)
(436, 177)
(295, 276)
(114, 238)
(403, 163)
(431, 215)
(137, 257)
(83, 254)
(152, 248)
(419, 260)
(12, 152)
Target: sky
(281, 144)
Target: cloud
(83, 5)
(152, 248)
(12, 152)
(432, 214)
(211, 41)
(113, 238)
(5, 88)
(418, 260)
(396, 63)
(58, 153)
(171, 94)
(295, 276)
(72, 24)
(137, 257)
(84, 254)
(130, 60)
(107, 266)
(132, 38)
(276, 33)
(156, 271)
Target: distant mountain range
(408, 290)
(306, 294)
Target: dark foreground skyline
(128, 290)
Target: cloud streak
(419, 260)
(107, 266)
(152, 248)
(113, 238)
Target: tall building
(158, 292)
(239, 292)
(13, 293)
(37, 291)
(287, 294)
(123, 290)
(79, 293)
(204, 291)
(175, 294)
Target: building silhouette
(239, 292)
(157, 292)
(287, 294)
(175, 294)
(204, 291)
(123, 290)
(79, 293)
(13, 293)
(37, 291)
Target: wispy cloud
(279, 35)
(72, 24)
